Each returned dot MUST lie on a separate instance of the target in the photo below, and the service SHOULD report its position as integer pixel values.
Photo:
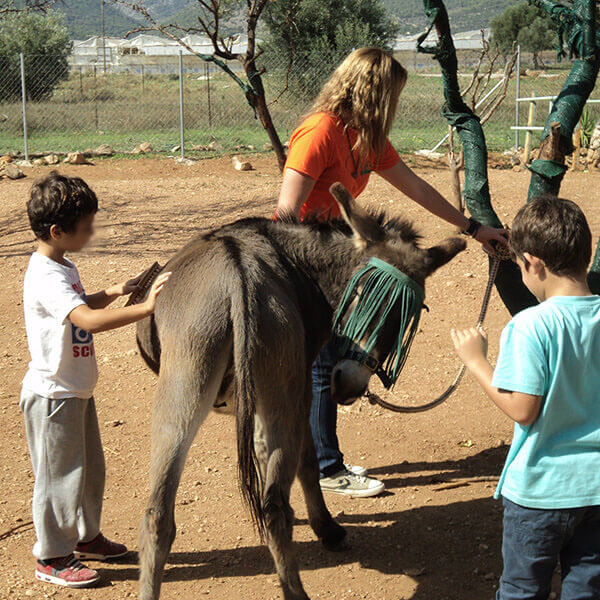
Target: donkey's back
(238, 272)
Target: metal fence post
(24, 102)
(181, 124)
(207, 70)
(517, 103)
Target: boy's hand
(155, 290)
(471, 344)
(131, 284)
(126, 288)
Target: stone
(11, 171)
(175, 148)
(52, 159)
(240, 165)
(103, 150)
(429, 154)
(76, 158)
(6, 158)
(185, 161)
(143, 148)
(215, 146)
(39, 161)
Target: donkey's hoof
(334, 538)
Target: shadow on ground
(451, 550)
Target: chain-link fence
(137, 100)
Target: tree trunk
(262, 110)
(468, 126)
(259, 103)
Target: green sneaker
(349, 484)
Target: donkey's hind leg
(279, 516)
(329, 532)
(182, 403)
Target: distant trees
(45, 43)
(528, 25)
(317, 34)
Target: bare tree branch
(500, 95)
(209, 22)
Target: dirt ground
(435, 532)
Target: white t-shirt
(63, 360)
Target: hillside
(464, 14)
(83, 19)
(83, 16)
(234, 22)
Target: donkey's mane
(398, 225)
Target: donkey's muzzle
(349, 381)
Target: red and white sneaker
(67, 571)
(100, 549)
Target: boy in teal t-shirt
(547, 379)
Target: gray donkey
(240, 322)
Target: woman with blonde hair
(345, 138)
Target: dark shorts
(533, 543)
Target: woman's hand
(485, 235)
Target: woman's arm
(295, 189)
(408, 182)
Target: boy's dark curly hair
(555, 230)
(59, 200)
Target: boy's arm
(102, 319)
(105, 297)
(95, 320)
(471, 346)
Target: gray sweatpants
(68, 465)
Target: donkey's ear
(438, 256)
(364, 226)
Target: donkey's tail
(243, 317)
(148, 342)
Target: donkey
(239, 324)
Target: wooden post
(530, 121)
(457, 199)
(577, 148)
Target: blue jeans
(535, 540)
(323, 414)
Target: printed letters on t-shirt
(83, 343)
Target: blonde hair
(364, 89)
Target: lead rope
(374, 398)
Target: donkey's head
(379, 312)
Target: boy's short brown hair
(59, 200)
(555, 230)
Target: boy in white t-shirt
(57, 397)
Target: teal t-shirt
(553, 350)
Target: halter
(384, 287)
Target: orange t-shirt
(319, 148)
